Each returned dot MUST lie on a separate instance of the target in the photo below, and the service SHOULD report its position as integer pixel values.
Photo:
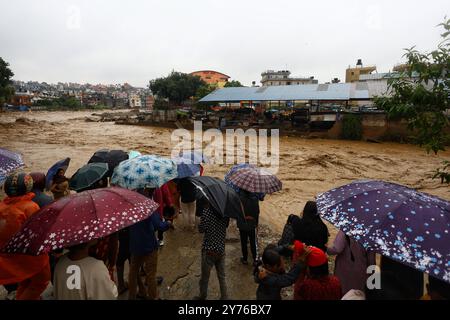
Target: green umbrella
(88, 175)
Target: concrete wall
(376, 127)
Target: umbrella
(254, 179)
(80, 218)
(111, 157)
(395, 221)
(144, 171)
(224, 200)
(61, 164)
(186, 168)
(260, 195)
(9, 161)
(133, 154)
(194, 156)
(88, 175)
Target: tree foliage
(6, 88)
(351, 127)
(177, 86)
(421, 96)
(61, 102)
(233, 83)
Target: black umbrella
(111, 157)
(224, 200)
(88, 175)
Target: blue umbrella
(194, 156)
(149, 171)
(395, 221)
(233, 186)
(9, 161)
(186, 168)
(61, 164)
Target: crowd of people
(304, 245)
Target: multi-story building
(352, 74)
(134, 100)
(282, 78)
(212, 77)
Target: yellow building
(352, 74)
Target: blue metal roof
(334, 91)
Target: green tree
(177, 86)
(233, 83)
(204, 90)
(6, 88)
(421, 96)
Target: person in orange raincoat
(31, 272)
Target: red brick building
(212, 77)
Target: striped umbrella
(255, 179)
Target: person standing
(163, 197)
(351, 262)
(214, 229)
(40, 198)
(95, 282)
(310, 229)
(317, 283)
(32, 273)
(247, 229)
(144, 252)
(60, 185)
(187, 200)
(407, 277)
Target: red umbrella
(80, 218)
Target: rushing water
(307, 166)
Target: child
(60, 185)
(272, 276)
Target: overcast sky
(100, 41)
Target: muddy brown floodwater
(307, 167)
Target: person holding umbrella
(144, 173)
(31, 272)
(90, 177)
(409, 228)
(74, 222)
(144, 252)
(247, 230)
(252, 183)
(60, 185)
(56, 182)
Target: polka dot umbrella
(79, 218)
(9, 161)
(395, 221)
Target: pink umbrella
(80, 218)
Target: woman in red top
(317, 283)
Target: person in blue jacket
(144, 253)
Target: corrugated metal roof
(334, 91)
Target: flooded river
(307, 166)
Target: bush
(351, 127)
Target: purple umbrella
(9, 161)
(393, 220)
